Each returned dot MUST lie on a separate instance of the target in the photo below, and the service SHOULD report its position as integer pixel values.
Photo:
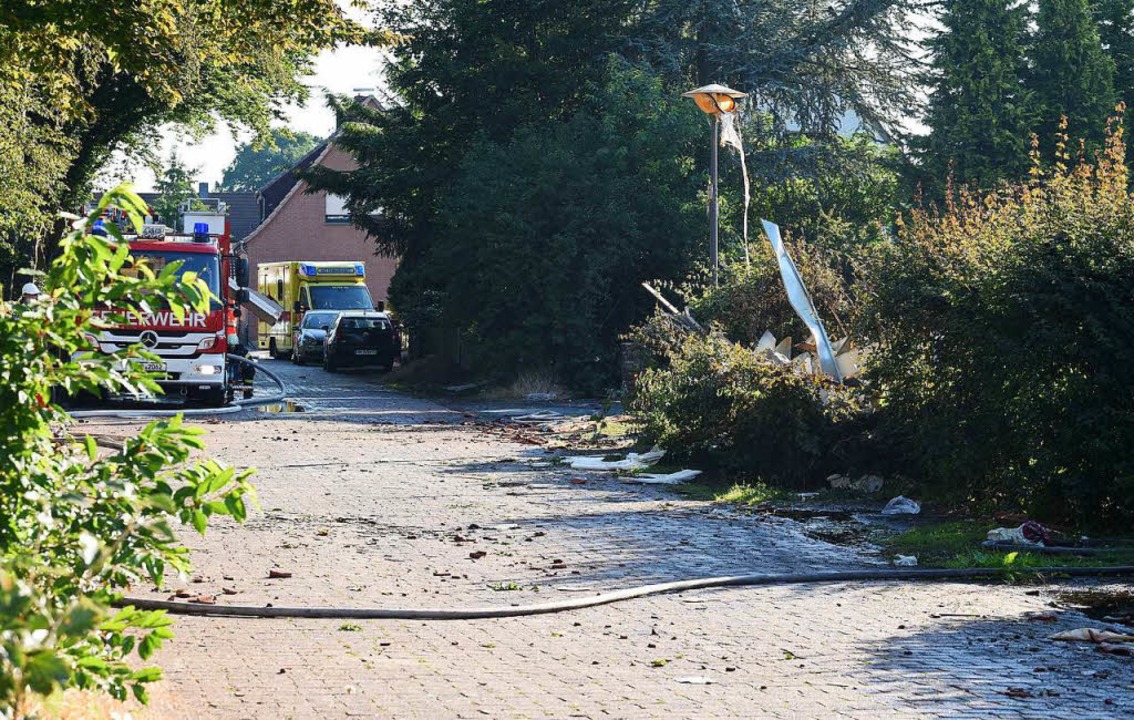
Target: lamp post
(714, 100)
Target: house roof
(273, 193)
(276, 190)
(323, 149)
(243, 212)
(276, 193)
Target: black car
(360, 338)
(307, 341)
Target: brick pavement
(367, 506)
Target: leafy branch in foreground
(78, 523)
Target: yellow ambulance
(302, 285)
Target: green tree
(256, 163)
(806, 63)
(980, 115)
(544, 239)
(83, 80)
(464, 70)
(1071, 74)
(1116, 31)
(174, 187)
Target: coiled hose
(249, 611)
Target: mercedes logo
(150, 339)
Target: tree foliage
(806, 63)
(980, 114)
(543, 240)
(1071, 75)
(256, 164)
(79, 523)
(174, 186)
(79, 81)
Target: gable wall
(299, 231)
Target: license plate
(153, 367)
(365, 352)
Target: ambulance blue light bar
(355, 269)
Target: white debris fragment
(696, 680)
(676, 478)
(902, 505)
(632, 462)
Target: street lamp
(713, 100)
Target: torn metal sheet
(801, 302)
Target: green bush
(79, 524)
(752, 299)
(724, 405)
(1003, 332)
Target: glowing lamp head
(715, 99)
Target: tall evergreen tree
(979, 112)
(1071, 73)
(1116, 31)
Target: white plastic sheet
(676, 478)
(632, 462)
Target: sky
(342, 70)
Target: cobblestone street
(371, 498)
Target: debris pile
(633, 463)
(803, 356)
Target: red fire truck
(192, 366)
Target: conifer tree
(979, 112)
(1116, 31)
(1071, 73)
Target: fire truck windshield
(206, 266)
(340, 297)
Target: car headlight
(208, 343)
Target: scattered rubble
(866, 483)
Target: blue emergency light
(99, 228)
(200, 232)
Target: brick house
(295, 225)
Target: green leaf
(45, 671)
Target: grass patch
(755, 494)
(1024, 559)
(957, 544)
(939, 542)
(746, 494)
(617, 426)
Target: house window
(336, 209)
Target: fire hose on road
(337, 613)
(234, 407)
(603, 598)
